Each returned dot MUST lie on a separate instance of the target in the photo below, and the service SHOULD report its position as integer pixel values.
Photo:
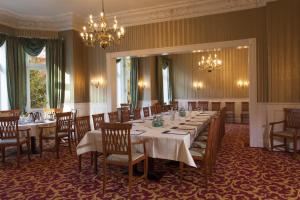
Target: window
(123, 81)
(4, 103)
(36, 81)
(166, 85)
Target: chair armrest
(138, 142)
(280, 122)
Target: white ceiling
(71, 14)
(50, 8)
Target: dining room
(161, 99)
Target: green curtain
(2, 39)
(134, 82)
(16, 74)
(56, 73)
(33, 46)
(163, 63)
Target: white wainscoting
(238, 104)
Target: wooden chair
(97, 120)
(9, 113)
(74, 113)
(215, 106)
(137, 114)
(159, 108)
(290, 131)
(153, 110)
(113, 117)
(174, 105)
(62, 132)
(166, 108)
(245, 113)
(230, 112)
(192, 105)
(125, 116)
(10, 136)
(146, 111)
(82, 127)
(117, 150)
(203, 105)
(206, 156)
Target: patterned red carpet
(241, 173)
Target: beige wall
(222, 27)
(220, 83)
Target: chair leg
(285, 144)
(41, 146)
(295, 147)
(95, 162)
(92, 158)
(146, 169)
(18, 156)
(181, 166)
(104, 177)
(3, 154)
(57, 141)
(272, 142)
(69, 141)
(130, 180)
(79, 162)
(28, 150)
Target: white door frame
(257, 114)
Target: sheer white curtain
(166, 86)
(4, 103)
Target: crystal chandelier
(98, 32)
(210, 63)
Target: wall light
(142, 84)
(98, 83)
(198, 85)
(242, 83)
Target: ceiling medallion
(98, 32)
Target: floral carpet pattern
(241, 172)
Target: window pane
(4, 104)
(166, 85)
(38, 88)
(38, 60)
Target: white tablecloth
(171, 146)
(34, 130)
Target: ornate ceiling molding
(166, 12)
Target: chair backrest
(292, 118)
(113, 117)
(245, 106)
(63, 122)
(97, 120)
(229, 106)
(116, 139)
(166, 108)
(174, 105)
(137, 113)
(203, 105)
(35, 115)
(192, 104)
(82, 126)
(125, 115)
(57, 110)
(146, 111)
(9, 127)
(215, 106)
(158, 108)
(9, 113)
(153, 110)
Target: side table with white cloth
(34, 131)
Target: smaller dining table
(34, 131)
(170, 142)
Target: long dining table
(171, 141)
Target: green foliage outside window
(38, 89)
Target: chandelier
(98, 33)
(210, 63)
